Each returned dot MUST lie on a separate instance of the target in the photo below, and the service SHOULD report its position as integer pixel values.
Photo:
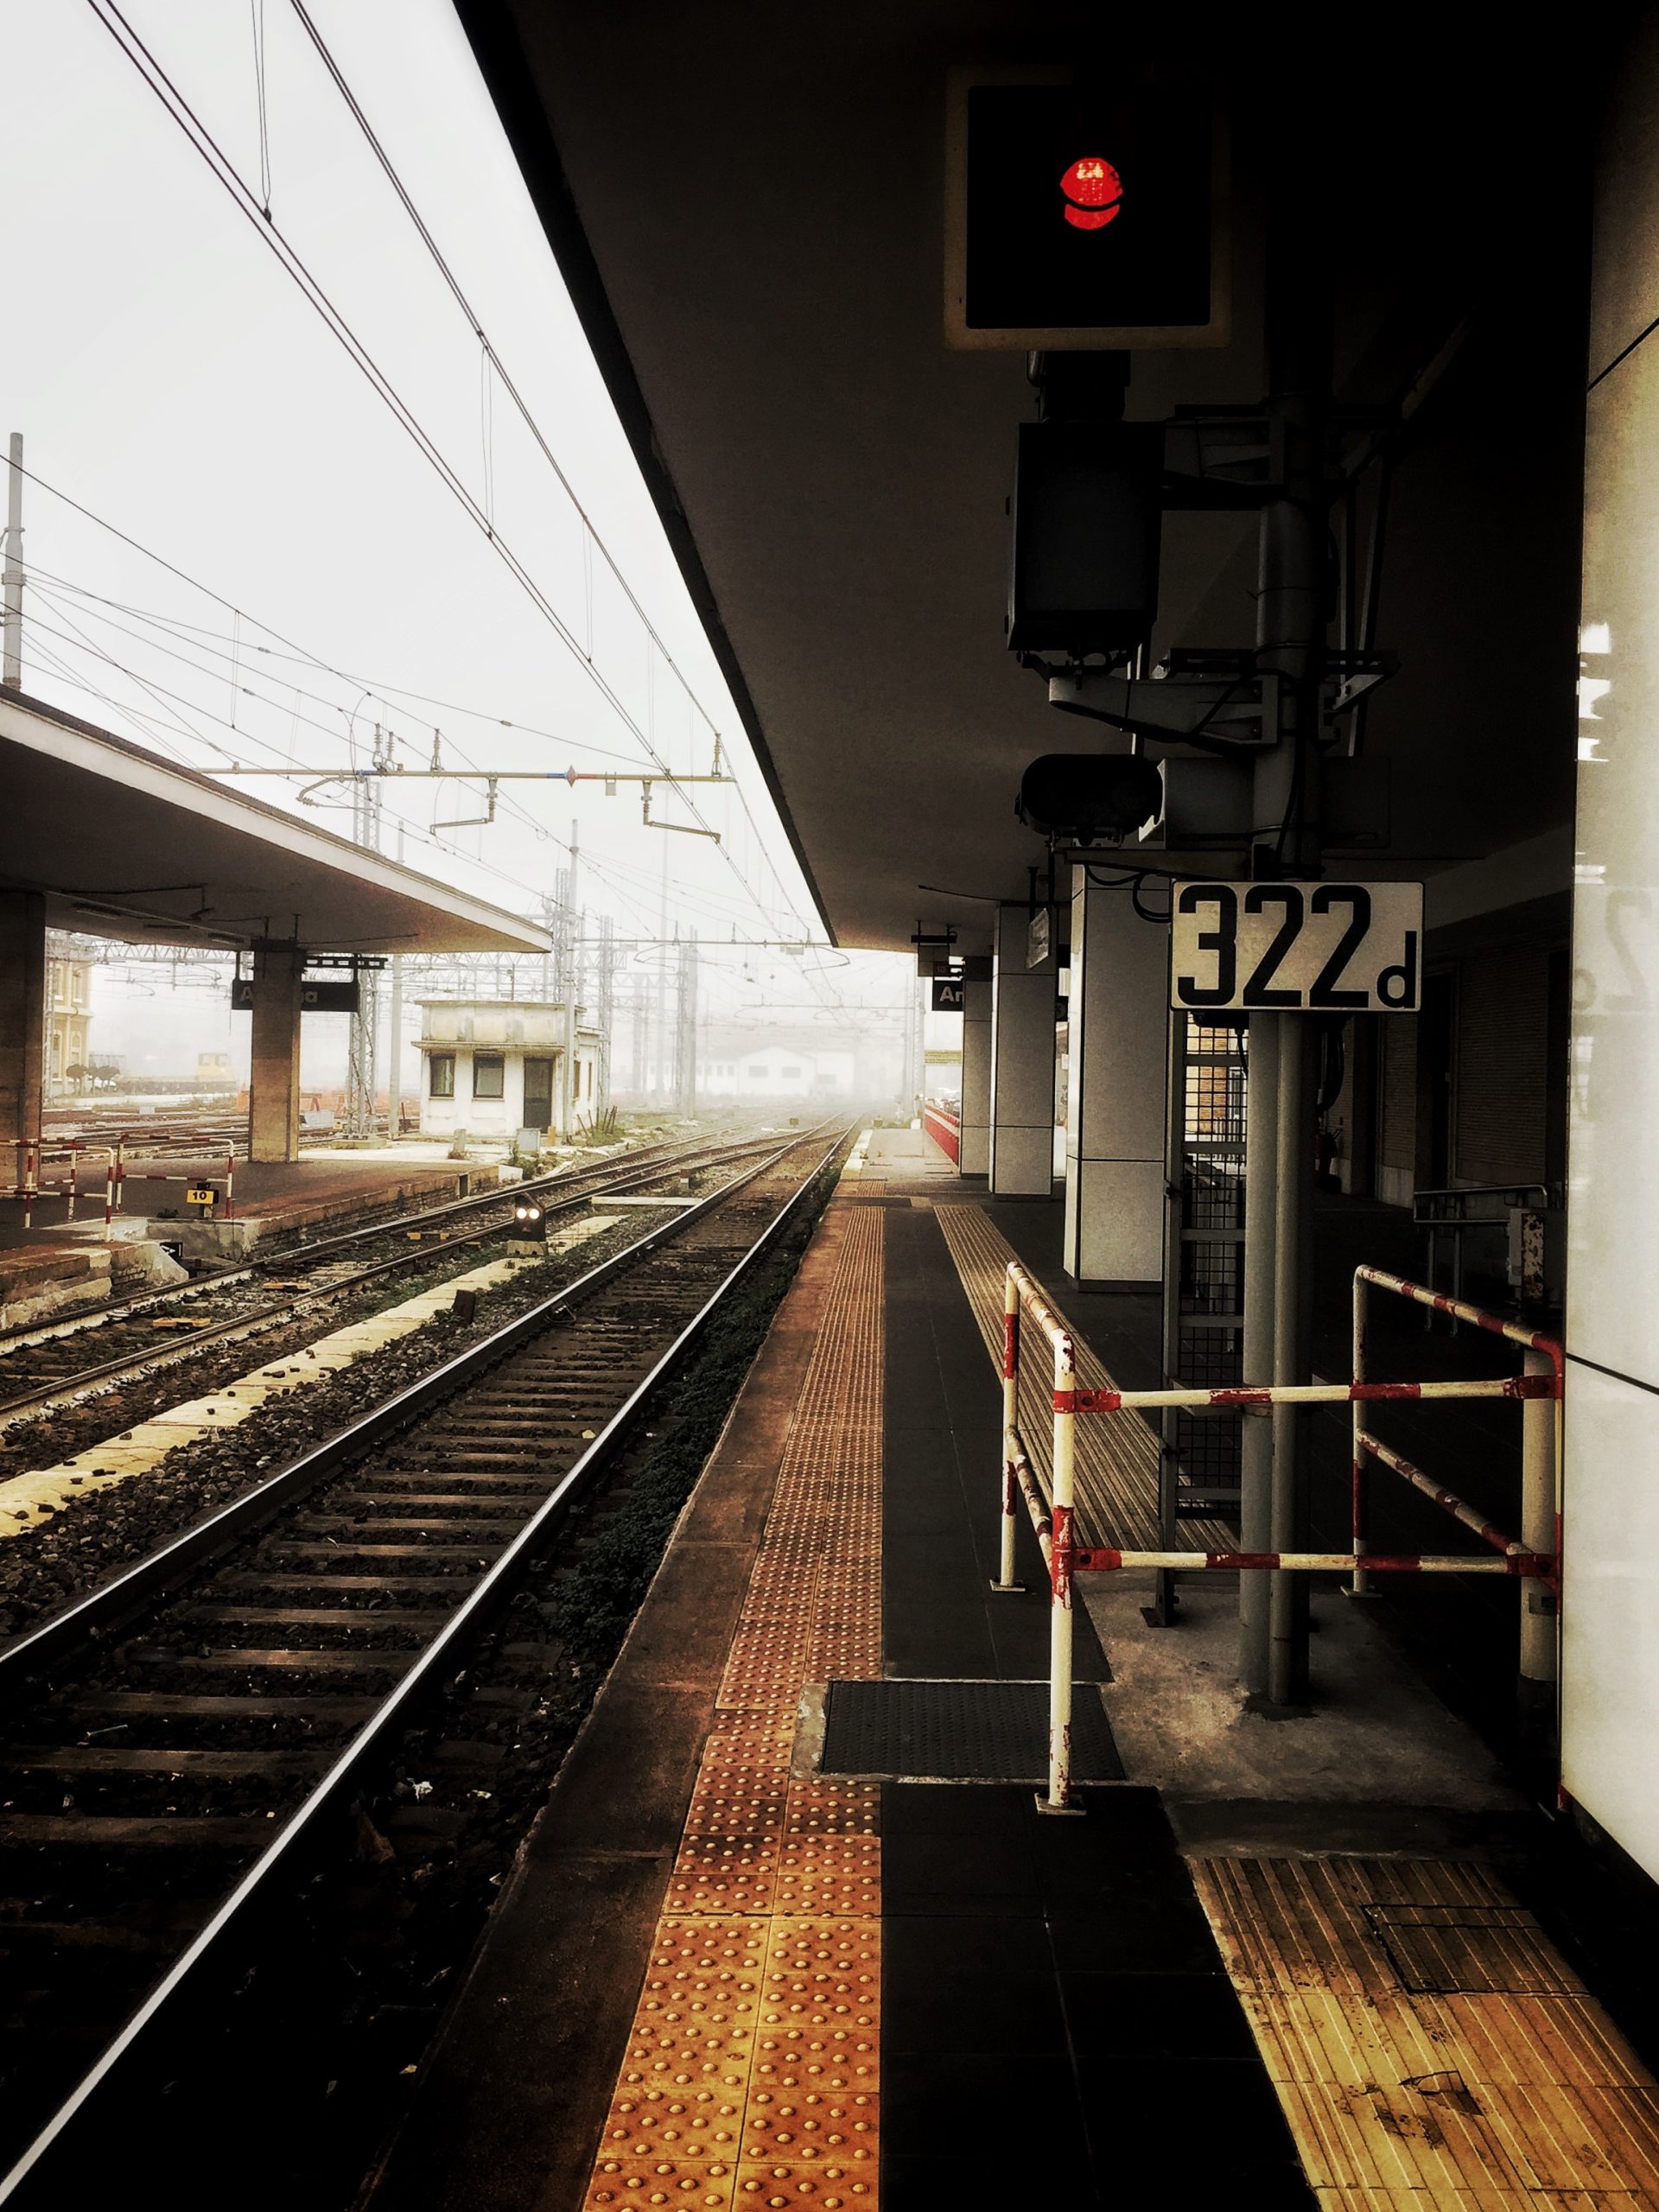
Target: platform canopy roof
(746, 203)
(126, 844)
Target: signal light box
(1081, 215)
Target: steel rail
(28, 1403)
(161, 1575)
(294, 1254)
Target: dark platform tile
(1210, 2127)
(989, 1985)
(990, 1873)
(913, 1809)
(1132, 1941)
(972, 2183)
(1154, 2015)
(993, 2106)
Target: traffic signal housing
(1088, 520)
(1083, 210)
(529, 1220)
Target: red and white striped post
(1005, 1581)
(74, 1182)
(1063, 1546)
(1360, 1586)
(230, 1176)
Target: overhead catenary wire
(231, 179)
(709, 901)
(592, 541)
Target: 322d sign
(1296, 948)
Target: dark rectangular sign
(337, 995)
(949, 995)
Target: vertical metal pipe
(1288, 1592)
(1359, 1471)
(1010, 1421)
(394, 1051)
(1169, 1466)
(1060, 1549)
(1260, 1233)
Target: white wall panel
(1611, 1478)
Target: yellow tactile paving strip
(753, 2066)
(1117, 1453)
(28, 1499)
(1429, 2045)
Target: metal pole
(13, 582)
(1290, 643)
(1539, 1529)
(1288, 1592)
(567, 987)
(1010, 1421)
(1359, 1471)
(1256, 1443)
(395, 1051)
(1059, 1609)
(1161, 1612)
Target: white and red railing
(945, 1128)
(1536, 1558)
(34, 1180)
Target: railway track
(48, 1367)
(196, 1727)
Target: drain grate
(1470, 1949)
(959, 1731)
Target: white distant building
(778, 1071)
(492, 1067)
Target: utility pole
(395, 1034)
(607, 1011)
(685, 1042)
(664, 1049)
(362, 1069)
(568, 985)
(1279, 1159)
(12, 583)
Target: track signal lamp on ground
(529, 1221)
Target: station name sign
(338, 995)
(949, 995)
(1296, 948)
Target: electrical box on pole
(1083, 210)
(1088, 521)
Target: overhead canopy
(745, 204)
(126, 845)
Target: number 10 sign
(1296, 948)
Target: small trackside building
(492, 1067)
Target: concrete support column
(22, 1023)
(976, 1155)
(273, 1076)
(1022, 1065)
(1117, 1016)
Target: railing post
(1060, 1552)
(1005, 1581)
(1360, 1587)
(1540, 1603)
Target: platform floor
(720, 1977)
(281, 1195)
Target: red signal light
(1093, 192)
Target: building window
(789, 1075)
(489, 1075)
(759, 1075)
(441, 1076)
